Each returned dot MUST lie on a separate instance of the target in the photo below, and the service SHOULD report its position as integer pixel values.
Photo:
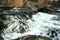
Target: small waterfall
(24, 25)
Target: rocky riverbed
(28, 25)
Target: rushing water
(41, 24)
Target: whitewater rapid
(41, 24)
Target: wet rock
(1, 38)
(23, 12)
(37, 38)
(2, 26)
(53, 34)
(45, 9)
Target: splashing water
(41, 24)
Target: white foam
(40, 26)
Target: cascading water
(41, 24)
